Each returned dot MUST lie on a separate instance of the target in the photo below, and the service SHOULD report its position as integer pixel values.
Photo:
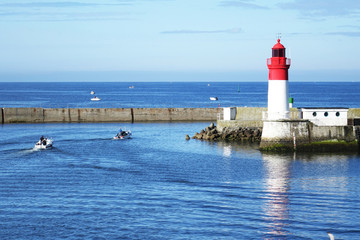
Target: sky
(177, 40)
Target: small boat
(44, 144)
(214, 98)
(95, 99)
(92, 92)
(131, 87)
(123, 134)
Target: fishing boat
(44, 144)
(123, 134)
(95, 99)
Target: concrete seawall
(67, 115)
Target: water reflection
(325, 176)
(277, 168)
(329, 173)
(229, 149)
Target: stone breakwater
(67, 115)
(212, 133)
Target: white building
(325, 116)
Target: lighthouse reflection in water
(290, 196)
(309, 189)
(277, 177)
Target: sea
(157, 185)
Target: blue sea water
(157, 185)
(173, 94)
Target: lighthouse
(278, 87)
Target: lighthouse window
(314, 114)
(278, 53)
(337, 114)
(326, 114)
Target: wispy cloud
(56, 4)
(320, 8)
(241, 4)
(233, 30)
(347, 34)
(63, 11)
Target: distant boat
(92, 92)
(214, 98)
(209, 85)
(95, 99)
(131, 87)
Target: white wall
(230, 113)
(325, 116)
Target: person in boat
(120, 133)
(42, 140)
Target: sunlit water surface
(157, 185)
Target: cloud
(233, 30)
(320, 8)
(347, 34)
(62, 11)
(241, 4)
(55, 4)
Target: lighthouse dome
(278, 45)
(278, 50)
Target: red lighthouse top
(278, 50)
(278, 64)
(278, 45)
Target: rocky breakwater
(212, 133)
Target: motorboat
(123, 134)
(44, 144)
(131, 87)
(95, 99)
(214, 98)
(92, 92)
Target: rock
(187, 137)
(212, 137)
(214, 131)
(247, 133)
(242, 134)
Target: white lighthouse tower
(278, 87)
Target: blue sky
(177, 40)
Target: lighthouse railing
(280, 61)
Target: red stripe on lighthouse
(278, 74)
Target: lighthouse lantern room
(278, 87)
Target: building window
(337, 114)
(314, 114)
(326, 114)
